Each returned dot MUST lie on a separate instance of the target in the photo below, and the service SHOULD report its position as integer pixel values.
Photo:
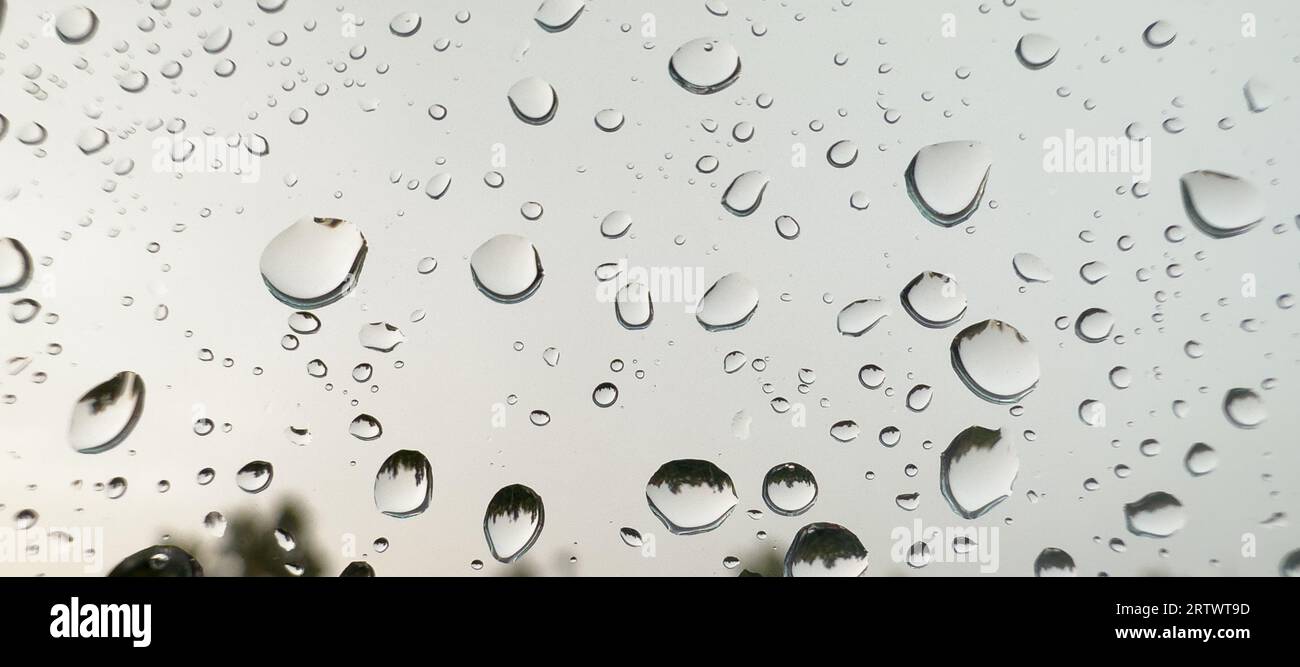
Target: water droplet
(405, 24)
(76, 24)
(995, 361)
(934, 300)
(506, 268)
(314, 262)
(946, 181)
(1244, 408)
(1037, 51)
(705, 66)
(728, 304)
(861, 316)
(690, 496)
(255, 476)
(605, 394)
(825, 550)
(745, 193)
(558, 15)
(1221, 205)
(1094, 325)
(365, 428)
(513, 522)
(789, 489)
(15, 265)
(533, 100)
(1156, 514)
(106, 414)
(1159, 34)
(1053, 562)
(977, 471)
(404, 484)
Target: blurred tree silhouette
(250, 547)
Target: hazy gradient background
(590, 465)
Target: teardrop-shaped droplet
(946, 181)
(745, 193)
(15, 265)
(729, 304)
(438, 185)
(255, 476)
(1244, 407)
(789, 489)
(1037, 51)
(976, 471)
(934, 300)
(690, 496)
(533, 100)
(825, 550)
(859, 317)
(1053, 562)
(1221, 205)
(1159, 34)
(842, 153)
(1031, 268)
(1094, 325)
(1156, 514)
(995, 361)
(513, 522)
(314, 262)
(105, 415)
(404, 484)
(704, 66)
(1259, 95)
(615, 224)
(506, 268)
(558, 15)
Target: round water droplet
(705, 66)
(106, 414)
(533, 100)
(934, 300)
(1201, 459)
(506, 268)
(76, 24)
(690, 496)
(1244, 407)
(405, 24)
(314, 262)
(605, 394)
(789, 489)
(513, 522)
(995, 361)
(404, 484)
(1037, 51)
(1094, 325)
(609, 120)
(365, 428)
(615, 224)
(1159, 34)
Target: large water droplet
(15, 265)
(76, 24)
(946, 181)
(705, 65)
(977, 471)
(255, 476)
(404, 484)
(729, 304)
(1053, 562)
(1156, 514)
(690, 496)
(789, 489)
(506, 268)
(995, 361)
(558, 15)
(633, 307)
(934, 300)
(533, 100)
(1244, 407)
(314, 262)
(1037, 51)
(825, 550)
(105, 415)
(1031, 268)
(1221, 205)
(513, 522)
(745, 193)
